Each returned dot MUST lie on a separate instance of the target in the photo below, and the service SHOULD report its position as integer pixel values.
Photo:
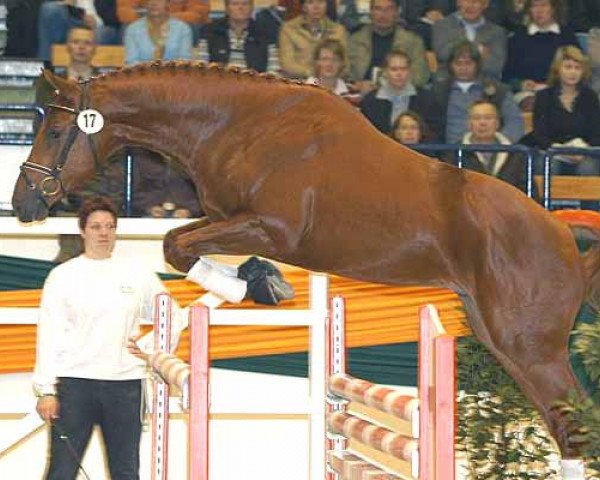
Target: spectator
(397, 94)
(369, 46)
(81, 47)
(410, 129)
(236, 40)
(567, 113)
(484, 124)
(465, 84)
(532, 48)
(162, 188)
(329, 63)
(193, 12)
(56, 18)
(468, 23)
(299, 37)
(157, 36)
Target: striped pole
(335, 364)
(160, 404)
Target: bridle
(51, 184)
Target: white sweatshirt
(89, 309)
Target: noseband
(51, 184)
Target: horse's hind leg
(531, 344)
(239, 235)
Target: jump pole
(433, 426)
(198, 380)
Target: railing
(22, 138)
(460, 150)
(531, 154)
(549, 154)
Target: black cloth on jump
(265, 282)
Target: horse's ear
(60, 84)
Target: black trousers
(115, 407)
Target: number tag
(90, 121)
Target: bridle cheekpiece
(51, 183)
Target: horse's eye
(53, 133)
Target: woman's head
(157, 8)
(408, 128)
(396, 68)
(545, 12)
(329, 59)
(97, 224)
(569, 67)
(314, 9)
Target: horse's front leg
(242, 234)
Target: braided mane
(158, 67)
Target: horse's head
(60, 156)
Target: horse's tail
(589, 222)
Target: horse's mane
(211, 69)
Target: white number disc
(90, 121)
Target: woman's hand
(132, 347)
(48, 408)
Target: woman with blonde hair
(567, 113)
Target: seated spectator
(468, 23)
(484, 125)
(81, 47)
(157, 36)
(369, 46)
(410, 129)
(397, 94)
(464, 84)
(299, 37)
(236, 40)
(56, 18)
(162, 189)
(532, 48)
(272, 17)
(193, 12)
(329, 63)
(567, 112)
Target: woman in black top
(567, 113)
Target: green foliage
(585, 426)
(586, 343)
(501, 434)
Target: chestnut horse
(292, 173)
